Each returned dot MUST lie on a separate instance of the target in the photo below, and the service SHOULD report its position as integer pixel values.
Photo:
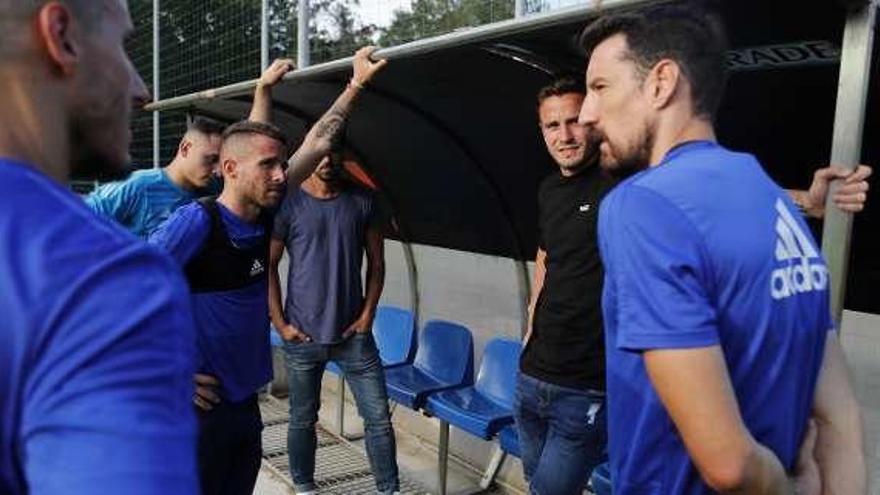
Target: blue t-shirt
(325, 242)
(232, 327)
(141, 202)
(705, 250)
(95, 351)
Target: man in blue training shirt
(223, 246)
(562, 369)
(97, 340)
(719, 341)
(148, 197)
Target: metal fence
(182, 46)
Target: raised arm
(261, 111)
(850, 197)
(329, 128)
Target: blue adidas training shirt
(232, 327)
(141, 202)
(705, 250)
(95, 351)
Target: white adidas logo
(257, 268)
(795, 250)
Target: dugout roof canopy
(448, 131)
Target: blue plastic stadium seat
(444, 360)
(395, 334)
(486, 407)
(508, 438)
(274, 338)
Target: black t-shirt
(567, 344)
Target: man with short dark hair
(327, 225)
(560, 399)
(560, 403)
(223, 246)
(148, 197)
(562, 369)
(97, 339)
(720, 345)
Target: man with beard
(326, 225)
(223, 246)
(97, 339)
(720, 345)
(147, 198)
(560, 403)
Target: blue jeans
(358, 358)
(562, 435)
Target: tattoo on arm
(331, 127)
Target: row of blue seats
(433, 372)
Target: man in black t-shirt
(560, 400)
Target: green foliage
(210, 43)
(433, 17)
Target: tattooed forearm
(331, 127)
(327, 134)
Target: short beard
(623, 165)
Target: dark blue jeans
(230, 447)
(358, 358)
(562, 435)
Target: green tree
(340, 32)
(433, 17)
(428, 18)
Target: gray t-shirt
(325, 241)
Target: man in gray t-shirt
(326, 226)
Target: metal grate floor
(341, 468)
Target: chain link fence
(210, 43)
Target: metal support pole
(302, 34)
(524, 294)
(156, 94)
(413, 277)
(340, 411)
(442, 457)
(846, 146)
(264, 35)
(519, 8)
(494, 466)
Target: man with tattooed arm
(223, 246)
